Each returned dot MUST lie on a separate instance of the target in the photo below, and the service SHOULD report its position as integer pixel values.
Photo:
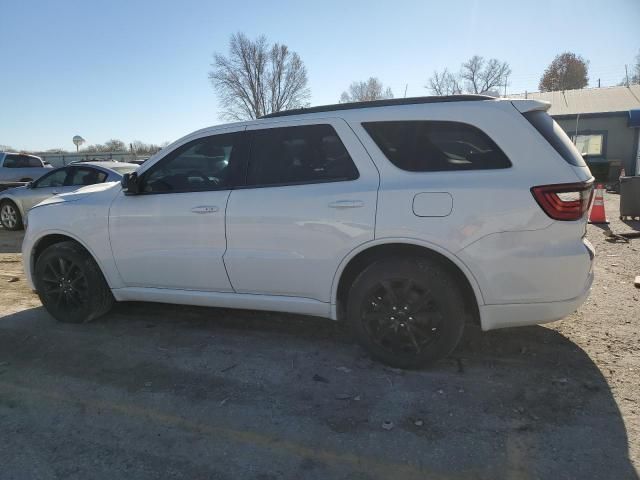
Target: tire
(407, 312)
(70, 284)
(10, 215)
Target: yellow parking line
(363, 464)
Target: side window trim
(295, 184)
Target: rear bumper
(521, 314)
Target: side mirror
(130, 184)
(29, 184)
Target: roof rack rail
(380, 103)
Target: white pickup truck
(20, 167)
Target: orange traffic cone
(597, 215)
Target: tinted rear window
(21, 161)
(425, 146)
(298, 155)
(553, 133)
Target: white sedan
(16, 202)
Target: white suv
(406, 218)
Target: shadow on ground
(10, 242)
(184, 392)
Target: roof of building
(588, 100)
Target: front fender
(85, 221)
(15, 201)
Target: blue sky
(138, 69)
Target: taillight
(565, 201)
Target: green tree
(567, 71)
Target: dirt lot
(156, 391)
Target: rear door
(309, 199)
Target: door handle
(347, 204)
(204, 209)
(55, 192)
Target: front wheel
(10, 216)
(406, 312)
(70, 284)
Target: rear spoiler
(524, 106)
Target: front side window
(85, 176)
(54, 179)
(203, 164)
(427, 146)
(590, 145)
(298, 155)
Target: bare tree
(633, 75)
(256, 78)
(115, 145)
(476, 75)
(567, 71)
(482, 76)
(140, 148)
(6, 148)
(112, 145)
(444, 83)
(372, 89)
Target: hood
(79, 194)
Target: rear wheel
(406, 312)
(10, 215)
(70, 284)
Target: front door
(48, 185)
(309, 199)
(172, 234)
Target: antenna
(626, 74)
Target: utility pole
(405, 90)
(626, 74)
(598, 83)
(506, 78)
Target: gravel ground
(157, 391)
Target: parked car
(15, 203)
(20, 167)
(355, 212)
